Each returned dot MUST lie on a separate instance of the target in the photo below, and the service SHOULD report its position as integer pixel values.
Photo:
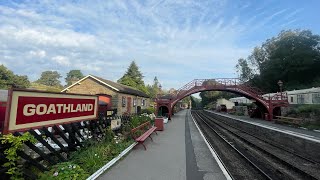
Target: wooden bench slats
(291, 120)
(141, 126)
(146, 134)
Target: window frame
(315, 98)
(134, 102)
(300, 99)
(124, 101)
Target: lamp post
(159, 96)
(280, 84)
(159, 93)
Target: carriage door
(129, 104)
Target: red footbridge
(266, 103)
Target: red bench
(147, 129)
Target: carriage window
(316, 98)
(300, 99)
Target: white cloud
(62, 60)
(39, 53)
(166, 38)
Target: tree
(154, 89)
(9, 79)
(133, 78)
(132, 73)
(73, 76)
(293, 57)
(245, 72)
(49, 78)
(195, 103)
(209, 97)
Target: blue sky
(177, 41)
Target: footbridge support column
(163, 108)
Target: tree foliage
(9, 79)
(212, 96)
(292, 57)
(154, 89)
(49, 78)
(244, 70)
(133, 78)
(72, 76)
(195, 103)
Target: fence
(55, 144)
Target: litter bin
(158, 122)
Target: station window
(134, 101)
(124, 101)
(300, 99)
(143, 103)
(291, 99)
(316, 98)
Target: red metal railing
(229, 84)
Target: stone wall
(133, 108)
(91, 86)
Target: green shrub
(95, 154)
(239, 114)
(65, 170)
(137, 120)
(305, 111)
(16, 144)
(149, 110)
(94, 157)
(309, 108)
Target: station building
(124, 99)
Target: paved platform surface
(270, 124)
(177, 153)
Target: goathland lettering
(41, 109)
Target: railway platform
(299, 132)
(178, 152)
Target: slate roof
(123, 88)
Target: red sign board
(32, 109)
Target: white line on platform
(110, 163)
(213, 152)
(297, 134)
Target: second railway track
(248, 157)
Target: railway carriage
(302, 96)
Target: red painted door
(129, 105)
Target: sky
(175, 40)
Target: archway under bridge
(266, 103)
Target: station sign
(34, 109)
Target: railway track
(248, 157)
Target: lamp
(280, 84)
